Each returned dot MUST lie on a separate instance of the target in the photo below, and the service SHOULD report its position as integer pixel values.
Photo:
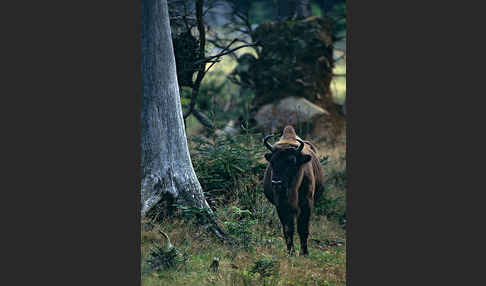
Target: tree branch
(225, 53)
(339, 58)
(202, 46)
(202, 62)
(203, 119)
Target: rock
(290, 110)
(229, 129)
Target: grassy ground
(259, 257)
(326, 265)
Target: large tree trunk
(166, 163)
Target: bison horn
(301, 146)
(268, 145)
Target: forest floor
(326, 264)
(260, 258)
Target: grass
(324, 265)
(259, 257)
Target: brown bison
(292, 178)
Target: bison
(292, 179)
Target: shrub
(241, 226)
(195, 215)
(229, 168)
(161, 258)
(265, 267)
(332, 202)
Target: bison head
(285, 163)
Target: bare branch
(225, 53)
(169, 245)
(339, 58)
(212, 64)
(203, 119)
(202, 46)
(217, 44)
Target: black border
(76, 213)
(72, 166)
(406, 118)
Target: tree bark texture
(166, 163)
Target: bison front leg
(287, 220)
(303, 229)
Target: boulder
(290, 110)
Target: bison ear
(268, 156)
(304, 158)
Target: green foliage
(213, 99)
(332, 207)
(230, 166)
(209, 94)
(241, 226)
(338, 14)
(265, 267)
(332, 202)
(316, 10)
(186, 93)
(194, 215)
(239, 212)
(161, 258)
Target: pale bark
(165, 163)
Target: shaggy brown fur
(290, 183)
